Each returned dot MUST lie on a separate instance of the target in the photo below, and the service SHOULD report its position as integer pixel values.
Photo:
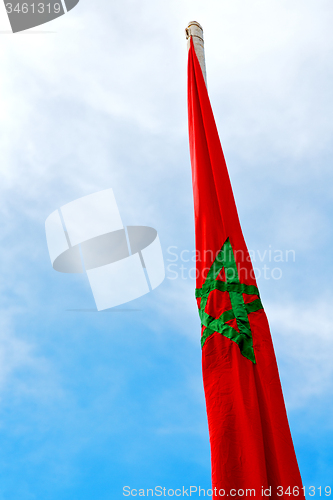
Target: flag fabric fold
(251, 444)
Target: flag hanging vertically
(251, 444)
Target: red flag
(251, 444)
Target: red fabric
(251, 444)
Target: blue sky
(91, 402)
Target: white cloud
(303, 339)
(24, 372)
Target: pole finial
(194, 30)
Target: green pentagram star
(240, 311)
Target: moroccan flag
(251, 444)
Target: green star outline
(225, 259)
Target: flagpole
(251, 444)
(194, 30)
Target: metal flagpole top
(194, 30)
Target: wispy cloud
(303, 338)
